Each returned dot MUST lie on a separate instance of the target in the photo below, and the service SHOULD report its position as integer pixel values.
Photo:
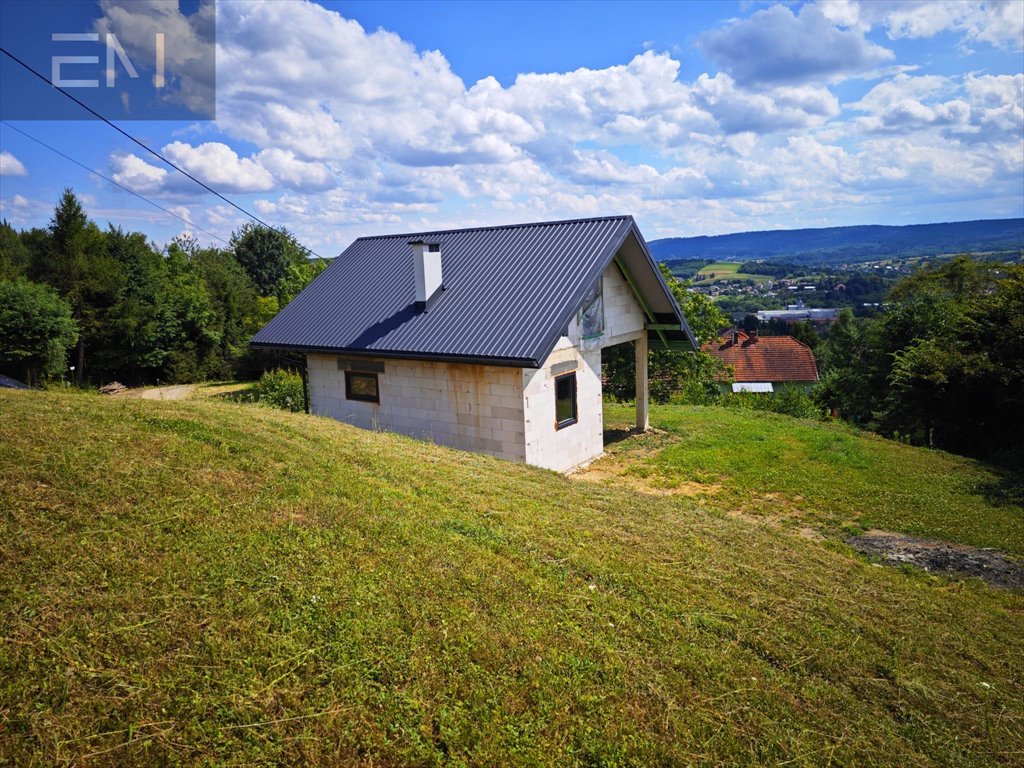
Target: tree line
(91, 305)
(942, 365)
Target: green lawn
(207, 583)
(828, 476)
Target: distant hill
(832, 245)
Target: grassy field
(200, 583)
(724, 270)
(831, 477)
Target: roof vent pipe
(426, 262)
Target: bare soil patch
(173, 392)
(941, 556)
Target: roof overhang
(388, 354)
(665, 322)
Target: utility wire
(153, 152)
(42, 143)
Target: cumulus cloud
(220, 166)
(10, 165)
(996, 22)
(776, 46)
(738, 110)
(976, 108)
(136, 174)
(357, 131)
(190, 72)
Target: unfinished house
(484, 339)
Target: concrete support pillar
(642, 422)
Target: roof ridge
(622, 217)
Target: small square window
(565, 400)
(362, 386)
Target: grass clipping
(199, 583)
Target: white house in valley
(483, 339)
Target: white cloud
(776, 46)
(286, 168)
(358, 132)
(10, 165)
(996, 22)
(189, 67)
(738, 110)
(136, 174)
(976, 108)
(220, 166)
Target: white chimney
(426, 262)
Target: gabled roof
(765, 358)
(509, 293)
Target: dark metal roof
(509, 292)
(7, 381)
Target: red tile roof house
(483, 339)
(761, 362)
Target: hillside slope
(833, 245)
(199, 583)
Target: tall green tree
(851, 369)
(956, 380)
(127, 344)
(942, 366)
(14, 256)
(265, 254)
(36, 330)
(73, 260)
(188, 328)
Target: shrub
(280, 388)
(790, 401)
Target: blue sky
(343, 119)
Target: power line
(115, 183)
(153, 152)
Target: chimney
(426, 262)
(753, 336)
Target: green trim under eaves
(639, 297)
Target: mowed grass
(832, 477)
(204, 583)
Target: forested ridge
(834, 245)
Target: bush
(789, 401)
(36, 329)
(280, 388)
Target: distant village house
(761, 363)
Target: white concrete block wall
(563, 449)
(472, 407)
